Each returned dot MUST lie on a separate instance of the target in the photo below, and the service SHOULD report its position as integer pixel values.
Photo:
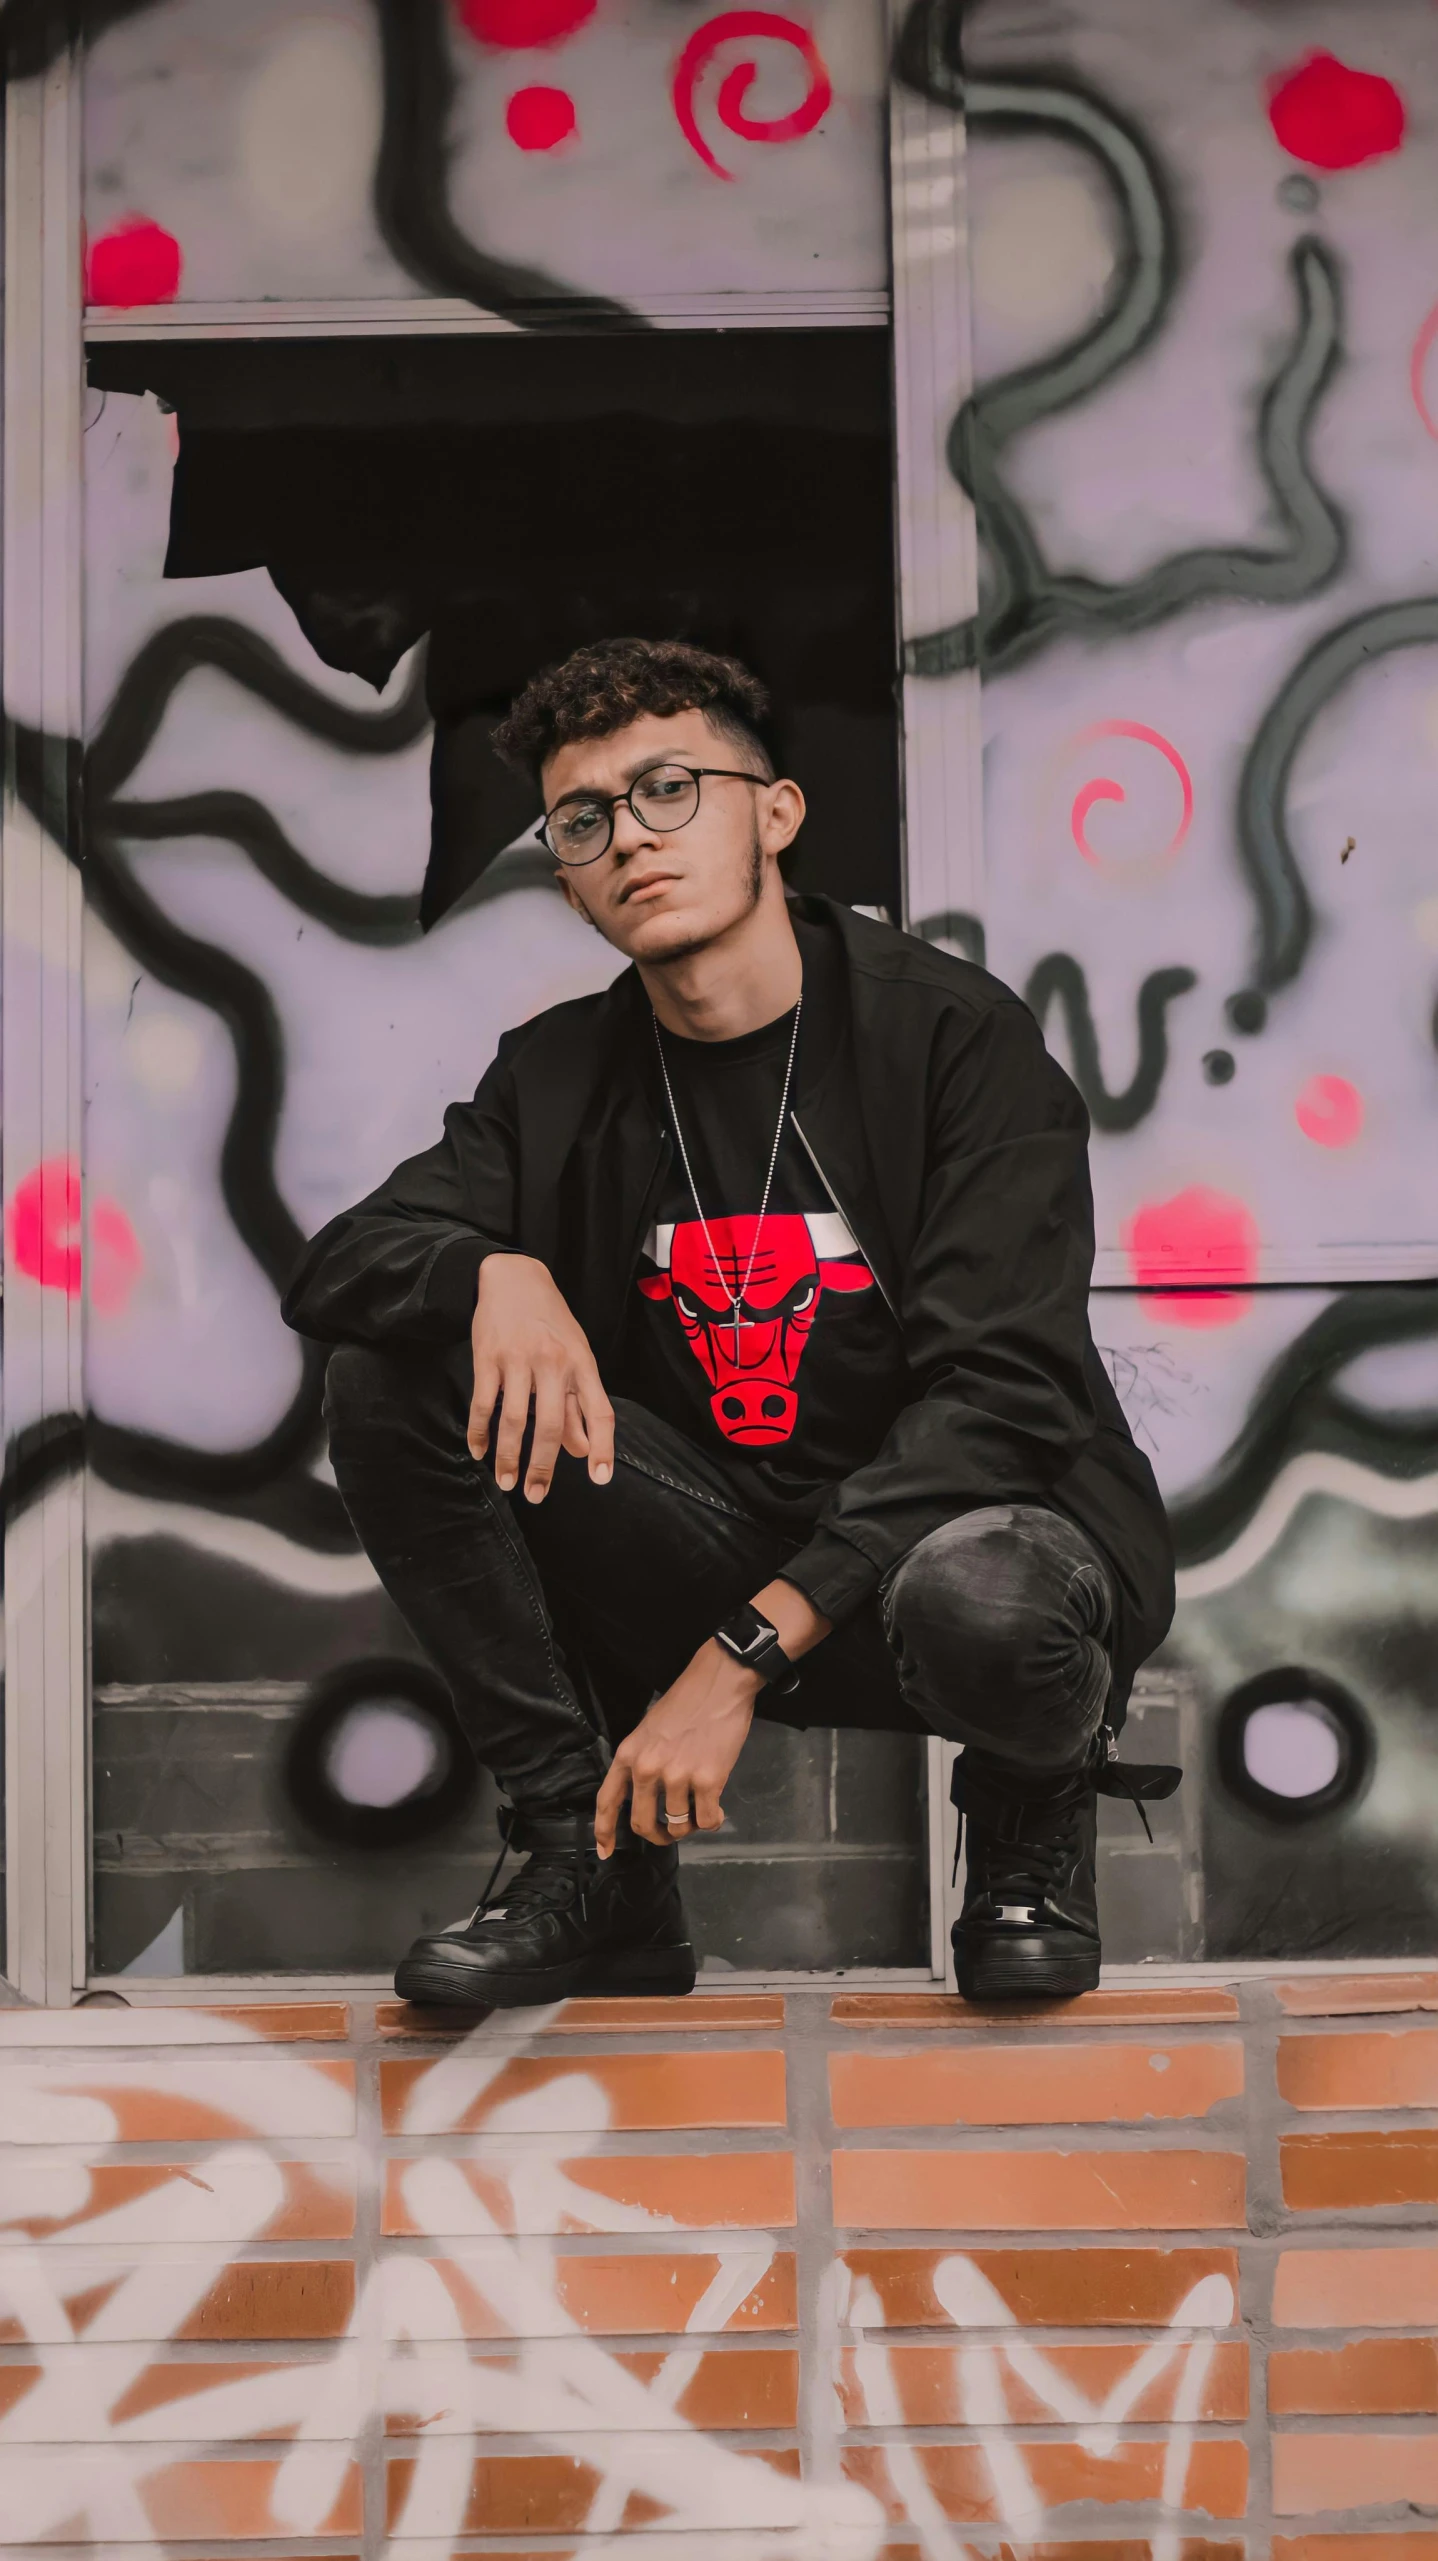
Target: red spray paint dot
(515, 26)
(540, 119)
(1330, 1111)
(135, 263)
(1180, 1250)
(44, 1224)
(1332, 117)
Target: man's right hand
(528, 1345)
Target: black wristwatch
(753, 1642)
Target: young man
(731, 1349)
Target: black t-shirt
(817, 1374)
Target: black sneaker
(568, 1922)
(1029, 1925)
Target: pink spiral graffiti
(699, 52)
(1105, 788)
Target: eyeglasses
(581, 828)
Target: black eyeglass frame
(609, 802)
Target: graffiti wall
(527, 152)
(313, 905)
(1202, 455)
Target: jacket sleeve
(994, 1310)
(403, 1265)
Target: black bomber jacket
(958, 1152)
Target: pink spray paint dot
(44, 1222)
(517, 26)
(1334, 117)
(44, 1226)
(135, 263)
(1181, 1250)
(540, 119)
(1330, 1111)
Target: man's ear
(783, 816)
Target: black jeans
(556, 1623)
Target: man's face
(655, 894)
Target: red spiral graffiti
(699, 52)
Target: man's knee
(999, 1620)
(971, 1600)
(373, 1393)
(361, 1384)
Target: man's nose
(631, 835)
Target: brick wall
(866, 2274)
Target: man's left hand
(685, 1747)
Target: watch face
(746, 1635)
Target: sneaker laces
(555, 1872)
(1020, 1846)
(1027, 1838)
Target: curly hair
(606, 685)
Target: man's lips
(648, 887)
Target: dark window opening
(512, 497)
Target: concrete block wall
(822, 1864)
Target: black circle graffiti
(1321, 1712)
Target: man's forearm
(794, 1619)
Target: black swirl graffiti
(1284, 911)
(270, 1480)
(237, 820)
(411, 201)
(1297, 1408)
(38, 1455)
(179, 649)
(1060, 975)
(1028, 604)
(132, 723)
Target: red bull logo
(751, 1354)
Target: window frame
(46, 331)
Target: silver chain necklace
(737, 1297)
